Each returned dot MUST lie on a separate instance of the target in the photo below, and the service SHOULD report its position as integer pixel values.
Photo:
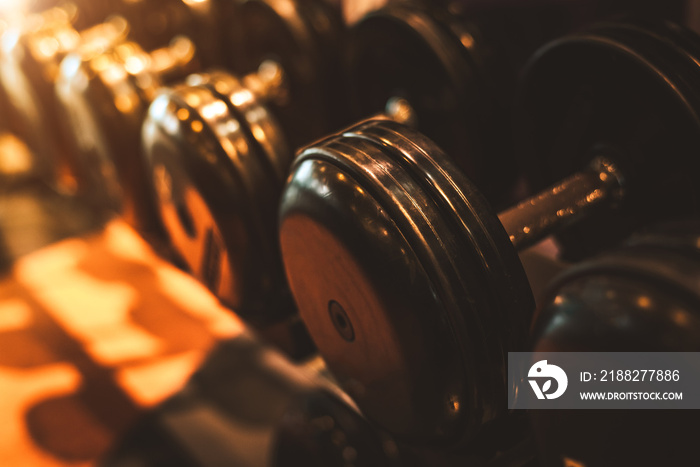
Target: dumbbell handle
(535, 218)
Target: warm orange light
(141, 325)
(13, 8)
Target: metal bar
(535, 218)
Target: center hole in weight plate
(341, 321)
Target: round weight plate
(27, 72)
(402, 306)
(630, 91)
(629, 297)
(210, 182)
(638, 299)
(267, 141)
(476, 225)
(304, 37)
(104, 88)
(408, 52)
(78, 89)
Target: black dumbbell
(456, 63)
(221, 215)
(34, 48)
(28, 66)
(249, 406)
(218, 159)
(408, 282)
(306, 37)
(105, 95)
(643, 297)
(567, 106)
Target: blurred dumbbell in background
(35, 46)
(105, 96)
(249, 406)
(641, 297)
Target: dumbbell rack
(101, 330)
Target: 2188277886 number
(640, 375)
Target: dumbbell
(306, 37)
(218, 159)
(249, 406)
(408, 282)
(217, 140)
(566, 107)
(28, 67)
(643, 297)
(105, 95)
(456, 63)
(33, 50)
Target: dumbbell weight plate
(304, 37)
(29, 71)
(30, 55)
(408, 53)
(617, 289)
(271, 156)
(632, 90)
(248, 406)
(456, 64)
(262, 126)
(421, 364)
(105, 92)
(196, 161)
(641, 298)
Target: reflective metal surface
(369, 224)
(106, 93)
(218, 161)
(533, 219)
